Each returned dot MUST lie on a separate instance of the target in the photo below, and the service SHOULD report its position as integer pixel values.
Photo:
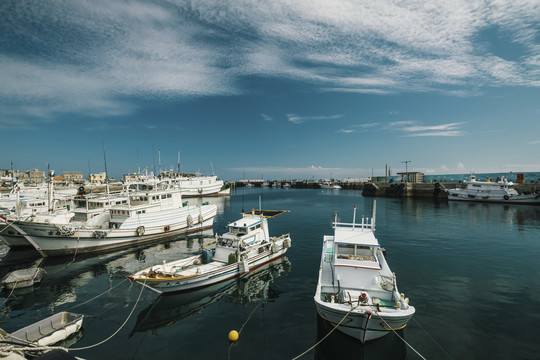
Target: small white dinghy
(49, 331)
(23, 278)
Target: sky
(270, 89)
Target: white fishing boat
(198, 185)
(497, 192)
(23, 278)
(329, 185)
(48, 331)
(139, 217)
(251, 287)
(245, 247)
(357, 291)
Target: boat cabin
(249, 230)
(355, 250)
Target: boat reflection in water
(66, 277)
(253, 286)
(341, 346)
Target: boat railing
(366, 223)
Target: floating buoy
(233, 335)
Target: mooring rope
(97, 296)
(401, 338)
(244, 324)
(116, 332)
(325, 336)
(432, 339)
(12, 290)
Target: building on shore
(412, 176)
(97, 178)
(75, 177)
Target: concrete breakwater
(381, 189)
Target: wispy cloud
(533, 142)
(267, 117)
(303, 172)
(296, 119)
(412, 130)
(128, 49)
(346, 131)
(366, 125)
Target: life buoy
(506, 197)
(140, 231)
(189, 221)
(201, 219)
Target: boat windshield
(355, 252)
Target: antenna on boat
(212, 167)
(374, 214)
(106, 172)
(178, 165)
(354, 216)
(243, 189)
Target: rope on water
(325, 336)
(401, 338)
(432, 339)
(245, 322)
(97, 296)
(11, 293)
(120, 328)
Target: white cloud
(296, 119)
(411, 129)
(460, 166)
(533, 142)
(267, 117)
(346, 131)
(444, 168)
(128, 49)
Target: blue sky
(273, 89)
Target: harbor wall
(383, 189)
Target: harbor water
(470, 270)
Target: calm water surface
(471, 270)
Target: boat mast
(374, 214)
(106, 174)
(50, 188)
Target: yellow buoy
(233, 335)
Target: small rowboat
(23, 278)
(49, 331)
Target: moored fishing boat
(245, 247)
(497, 192)
(133, 219)
(356, 290)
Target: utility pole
(406, 172)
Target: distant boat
(329, 185)
(496, 192)
(356, 290)
(245, 247)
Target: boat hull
(225, 272)
(51, 330)
(49, 241)
(463, 195)
(361, 323)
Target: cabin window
(163, 196)
(355, 252)
(169, 196)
